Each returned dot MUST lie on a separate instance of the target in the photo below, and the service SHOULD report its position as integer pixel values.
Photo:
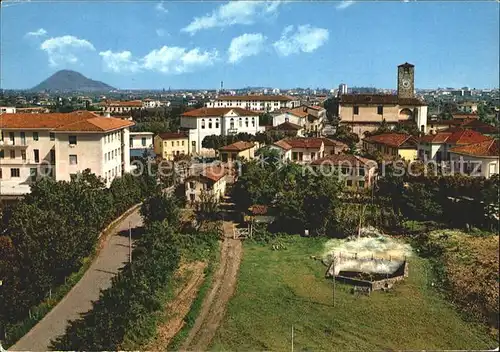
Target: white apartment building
(59, 145)
(219, 121)
(141, 140)
(261, 103)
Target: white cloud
(344, 4)
(245, 45)
(38, 33)
(161, 8)
(176, 60)
(119, 62)
(61, 49)
(232, 13)
(305, 39)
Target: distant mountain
(71, 81)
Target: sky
(279, 44)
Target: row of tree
(216, 141)
(47, 236)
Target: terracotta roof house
(307, 149)
(211, 181)
(171, 145)
(392, 146)
(237, 150)
(60, 145)
(255, 102)
(477, 159)
(436, 146)
(355, 171)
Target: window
(52, 156)
(294, 155)
(12, 154)
(178, 143)
(361, 171)
(361, 184)
(35, 136)
(2, 154)
(52, 136)
(33, 173)
(253, 121)
(105, 157)
(246, 121)
(143, 141)
(202, 123)
(192, 197)
(36, 154)
(231, 123)
(301, 155)
(380, 109)
(23, 138)
(73, 159)
(106, 175)
(287, 119)
(23, 155)
(349, 183)
(240, 122)
(72, 140)
(216, 123)
(356, 110)
(14, 172)
(192, 185)
(0, 173)
(313, 155)
(210, 123)
(11, 137)
(183, 143)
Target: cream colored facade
(169, 145)
(390, 152)
(31, 152)
(196, 185)
(257, 103)
(231, 156)
(479, 166)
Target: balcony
(11, 144)
(232, 131)
(17, 161)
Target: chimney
(107, 114)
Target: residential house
(7, 110)
(232, 152)
(310, 118)
(364, 112)
(468, 123)
(468, 106)
(392, 146)
(141, 143)
(168, 145)
(304, 150)
(436, 146)
(210, 182)
(217, 121)
(121, 106)
(355, 171)
(151, 103)
(481, 159)
(254, 102)
(59, 145)
(289, 129)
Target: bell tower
(406, 80)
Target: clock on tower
(406, 80)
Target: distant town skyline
(195, 45)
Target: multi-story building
(364, 112)
(140, 143)
(231, 153)
(477, 159)
(217, 121)
(310, 118)
(255, 102)
(304, 150)
(211, 182)
(437, 146)
(392, 146)
(59, 145)
(121, 106)
(7, 110)
(168, 145)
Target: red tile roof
(379, 99)
(217, 112)
(237, 146)
(172, 135)
(214, 173)
(255, 97)
(78, 121)
(287, 126)
(302, 142)
(439, 137)
(463, 116)
(258, 209)
(390, 139)
(333, 143)
(488, 148)
(465, 136)
(131, 103)
(338, 159)
(283, 144)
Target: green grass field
(278, 289)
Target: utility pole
(129, 242)
(292, 338)
(333, 281)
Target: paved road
(112, 257)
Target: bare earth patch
(177, 309)
(214, 304)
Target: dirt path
(214, 304)
(179, 307)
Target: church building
(365, 112)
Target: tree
(207, 209)
(161, 208)
(344, 134)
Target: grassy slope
(278, 289)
